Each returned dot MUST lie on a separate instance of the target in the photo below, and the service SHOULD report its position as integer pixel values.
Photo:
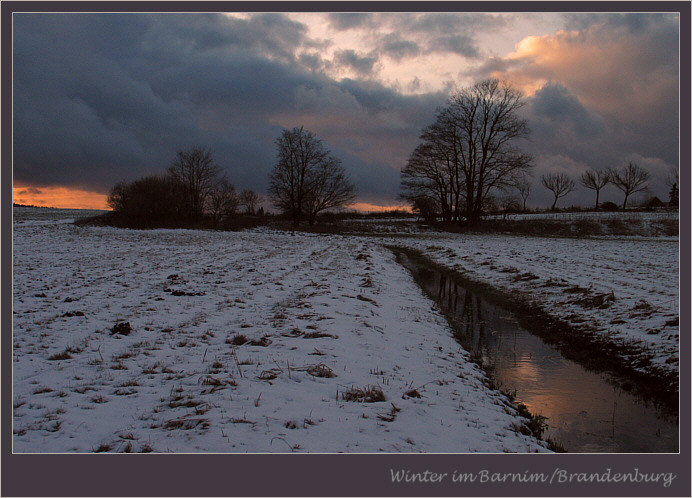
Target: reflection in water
(585, 412)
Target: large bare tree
(469, 151)
(197, 173)
(559, 184)
(488, 124)
(307, 179)
(595, 180)
(630, 180)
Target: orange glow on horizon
(375, 208)
(59, 197)
(74, 198)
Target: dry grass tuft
(411, 393)
(268, 375)
(122, 328)
(317, 335)
(263, 342)
(369, 394)
(601, 301)
(65, 355)
(237, 340)
(320, 370)
(185, 423)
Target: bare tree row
(629, 179)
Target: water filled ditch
(586, 411)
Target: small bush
(609, 206)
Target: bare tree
(425, 183)
(630, 180)
(426, 207)
(249, 200)
(559, 184)
(306, 178)
(673, 181)
(595, 180)
(195, 170)
(329, 188)
(432, 171)
(222, 201)
(508, 204)
(523, 186)
(469, 151)
(487, 120)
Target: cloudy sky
(101, 98)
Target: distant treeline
(16, 204)
(192, 193)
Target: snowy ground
(626, 288)
(26, 216)
(313, 305)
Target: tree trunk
(554, 203)
(624, 204)
(597, 194)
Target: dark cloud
(349, 20)
(634, 22)
(30, 191)
(444, 32)
(105, 98)
(362, 64)
(556, 108)
(459, 44)
(313, 62)
(397, 48)
(444, 23)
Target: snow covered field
(263, 341)
(626, 287)
(239, 342)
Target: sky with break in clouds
(101, 98)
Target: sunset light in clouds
(117, 94)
